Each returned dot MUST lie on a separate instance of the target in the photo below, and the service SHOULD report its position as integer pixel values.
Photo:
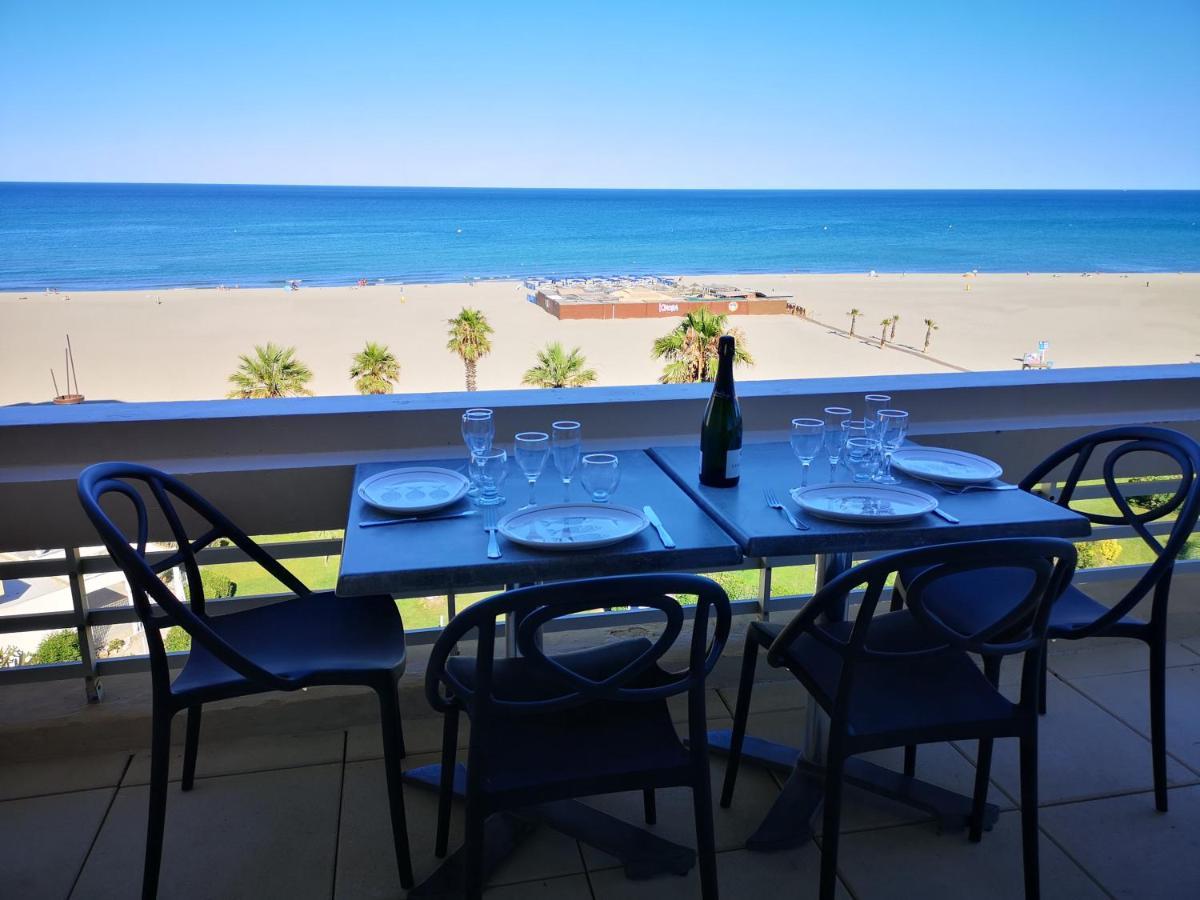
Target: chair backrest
(637, 679)
(1021, 627)
(129, 550)
(1131, 443)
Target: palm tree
(557, 368)
(469, 332)
(853, 314)
(930, 327)
(691, 348)
(374, 369)
(883, 334)
(272, 371)
(895, 319)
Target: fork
(773, 502)
(966, 488)
(490, 517)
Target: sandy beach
(182, 344)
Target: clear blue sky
(607, 94)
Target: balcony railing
(285, 466)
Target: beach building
(649, 298)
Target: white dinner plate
(875, 504)
(946, 466)
(413, 490)
(572, 526)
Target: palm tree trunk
(470, 364)
(928, 332)
(852, 326)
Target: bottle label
(733, 463)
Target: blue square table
(763, 532)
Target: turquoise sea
(96, 236)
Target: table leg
(643, 854)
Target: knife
(663, 535)
(942, 514)
(378, 522)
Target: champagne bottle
(721, 431)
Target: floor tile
(714, 706)
(421, 735)
(44, 841)
(1131, 849)
(769, 696)
(793, 874)
(572, 887)
(1083, 752)
(755, 793)
(56, 776)
(1127, 697)
(1079, 659)
(252, 754)
(262, 834)
(366, 858)
(913, 860)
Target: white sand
(130, 346)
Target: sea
(74, 236)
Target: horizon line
(483, 187)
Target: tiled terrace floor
(305, 815)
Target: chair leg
(910, 760)
(1042, 682)
(706, 842)
(1158, 719)
(160, 761)
(983, 770)
(831, 822)
(740, 714)
(389, 718)
(473, 845)
(649, 806)
(1029, 815)
(446, 785)
(191, 744)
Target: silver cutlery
(663, 534)
(773, 502)
(970, 487)
(377, 523)
(490, 517)
(942, 514)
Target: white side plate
(572, 526)
(946, 466)
(872, 504)
(414, 490)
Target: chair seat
(971, 600)
(583, 749)
(317, 639)
(896, 696)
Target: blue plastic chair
(906, 677)
(314, 639)
(1076, 615)
(595, 721)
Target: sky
(748, 94)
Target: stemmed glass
(566, 437)
(872, 404)
(491, 469)
(893, 425)
(478, 431)
(600, 475)
(807, 437)
(835, 436)
(531, 449)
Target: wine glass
(600, 475)
(807, 437)
(478, 431)
(835, 436)
(893, 425)
(872, 404)
(531, 449)
(566, 437)
(860, 457)
(491, 469)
